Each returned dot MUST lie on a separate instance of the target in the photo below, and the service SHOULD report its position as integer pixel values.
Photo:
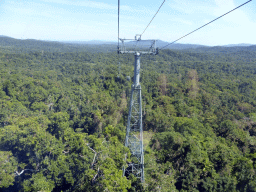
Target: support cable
(153, 17)
(118, 39)
(118, 21)
(206, 24)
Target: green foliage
(38, 183)
(7, 168)
(244, 172)
(63, 114)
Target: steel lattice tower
(134, 130)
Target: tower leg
(134, 131)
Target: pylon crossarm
(152, 50)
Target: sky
(85, 20)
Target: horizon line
(109, 41)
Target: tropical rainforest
(64, 108)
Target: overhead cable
(206, 24)
(153, 17)
(118, 37)
(118, 20)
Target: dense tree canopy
(64, 112)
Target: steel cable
(206, 24)
(118, 20)
(152, 18)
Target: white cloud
(189, 7)
(224, 5)
(180, 20)
(31, 9)
(235, 16)
(84, 19)
(92, 4)
(237, 19)
(101, 5)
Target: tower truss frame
(134, 129)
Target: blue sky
(69, 20)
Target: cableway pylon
(134, 130)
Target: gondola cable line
(138, 36)
(153, 17)
(205, 24)
(118, 39)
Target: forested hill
(227, 50)
(64, 111)
(31, 45)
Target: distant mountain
(223, 49)
(9, 41)
(185, 46)
(142, 43)
(8, 44)
(160, 44)
(28, 45)
(92, 42)
(238, 45)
